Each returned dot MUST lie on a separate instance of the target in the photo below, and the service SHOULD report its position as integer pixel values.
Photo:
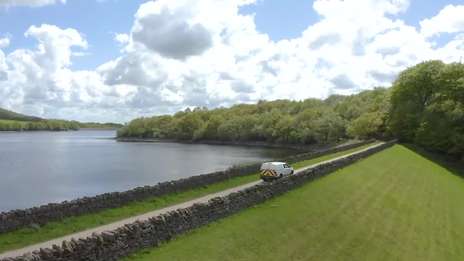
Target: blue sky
(287, 19)
(99, 20)
(187, 53)
(419, 10)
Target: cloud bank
(206, 53)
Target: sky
(114, 60)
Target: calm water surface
(42, 167)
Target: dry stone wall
(113, 245)
(16, 219)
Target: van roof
(275, 163)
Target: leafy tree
(412, 92)
(282, 121)
(368, 125)
(186, 126)
(427, 106)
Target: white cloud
(205, 53)
(170, 31)
(121, 38)
(31, 3)
(40, 81)
(449, 20)
(54, 48)
(4, 42)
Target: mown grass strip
(305, 163)
(29, 236)
(394, 205)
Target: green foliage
(49, 125)
(427, 106)
(291, 122)
(366, 125)
(97, 125)
(12, 121)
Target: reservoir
(42, 167)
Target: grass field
(394, 205)
(28, 236)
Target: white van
(275, 170)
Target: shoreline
(307, 148)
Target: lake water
(41, 167)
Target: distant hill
(13, 121)
(10, 115)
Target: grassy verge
(309, 162)
(394, 205)
(29, 236)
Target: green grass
(305, 163)
(394, 205)
(28, 236)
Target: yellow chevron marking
(268, 173)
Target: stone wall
(16, 219)
(113, 245)
(319, 153)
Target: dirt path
(146, 216)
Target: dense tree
(12, 121)
(412, 92)
(427, 106)
(366, 126)
(50, 125)
(282, 121)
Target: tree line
(13, 121)
(424, 106)
(53, 125)
(48, 125)
(282, 121)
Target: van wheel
(281, 175)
